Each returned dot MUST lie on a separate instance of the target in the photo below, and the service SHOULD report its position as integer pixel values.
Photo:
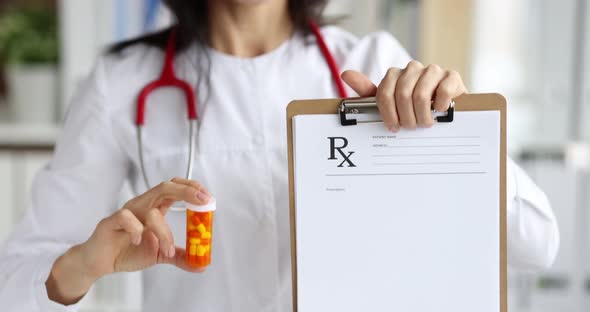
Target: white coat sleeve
(77, 188)
(533, 235)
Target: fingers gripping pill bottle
(199, 231)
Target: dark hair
(192, 25)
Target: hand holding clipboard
(406, 96)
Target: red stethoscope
(169, 79)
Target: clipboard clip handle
(369, 104)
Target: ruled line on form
(429, 163)
(403, 173)
(410, 146)
(440, 154)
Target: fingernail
(203, 196)
(393, 129)
(171, 251)
(135, 240)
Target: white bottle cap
(210, 206)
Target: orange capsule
(192, 260)
(207, 217)
(195, 220)
(194, 233)
(202, 261)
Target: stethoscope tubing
(191, 157)
(191, 152)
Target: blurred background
(534, 52)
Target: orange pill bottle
(199, 233)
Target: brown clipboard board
(466, 102)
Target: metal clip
(369, 104)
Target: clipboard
(347, 108)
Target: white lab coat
(240, 157)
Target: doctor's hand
(134, 238)
(404, 95)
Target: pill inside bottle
(199, 232)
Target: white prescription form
(406, 221)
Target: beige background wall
(445, 34)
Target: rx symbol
(334, 148)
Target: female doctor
(245, 60)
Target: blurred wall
(445, 35)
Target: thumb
(359, 83)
